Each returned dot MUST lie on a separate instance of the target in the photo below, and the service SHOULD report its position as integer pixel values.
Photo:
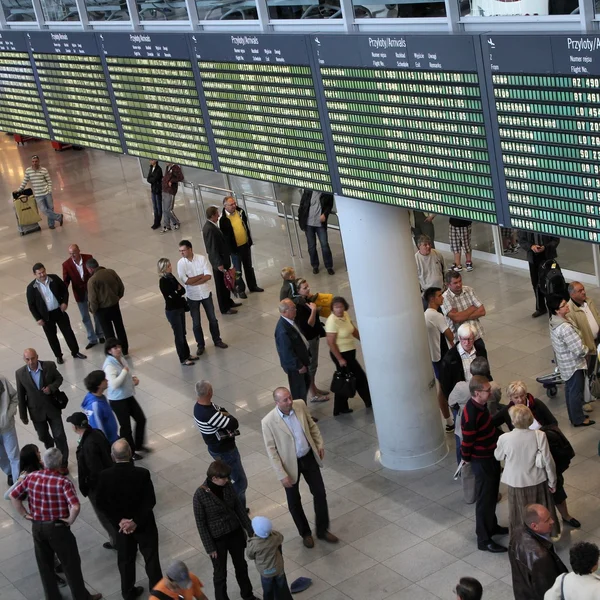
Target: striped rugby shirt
(38, 179)
(209, 420)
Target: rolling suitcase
(26, 211)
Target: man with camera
(219, 430)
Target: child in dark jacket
(265, 549)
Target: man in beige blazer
(584, 315)
(295, 447)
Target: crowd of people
(534, 451)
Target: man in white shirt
(194, 272)
(461, 305)
(436, 328)
(295, 447)
(584, 315)
(39, 180)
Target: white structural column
(385, 291)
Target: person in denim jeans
(313, 213)
(216, 425)
(264, 547)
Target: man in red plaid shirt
(53, 507)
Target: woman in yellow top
(341, 333)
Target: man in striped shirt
(478, 444)
(216, 425)
(39, 181)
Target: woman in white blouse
(529, 470)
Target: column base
(399, 462)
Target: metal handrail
(295, 221)
(199, 199)
(272, 202)
(191, 185)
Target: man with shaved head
(37, 383)
(75, 273)
(125, 494)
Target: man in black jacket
(293, 350)
(533, 561)
(93, 456)
(47, 298)
(37, 382)
(154, 178)
(315, 208)
(234, 225)
(126, 495)
(219, 258)
(539, 248)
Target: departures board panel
(75, 90)
(21, 109)
(157, 100)
(546, 96)
(263, 108)
(408, 122)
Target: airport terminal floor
(404, 535)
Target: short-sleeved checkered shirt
(461, 302)
(50, 495)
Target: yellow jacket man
(584, 315)
(295, 447)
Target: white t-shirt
(192, 268)
(436, 324)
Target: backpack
(560, 447)
(551, 280)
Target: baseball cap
(78, 419)
(179, 573)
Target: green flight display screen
(157, 100)
(547, 99)
(75, 90)
(408, 122)
(263, 108)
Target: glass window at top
(307, 9)
(519, 8)
(107, 10)
(162, 10)
(226, 10)
(368, 9)
(16, 11)
(60, 10)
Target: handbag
(595, 385)
(229, 280)
(59, 399)
(539, 458)
(343, 383)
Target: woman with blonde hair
(175, 309)
(529, 470)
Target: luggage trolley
(26, 211)
(551, 281)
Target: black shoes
(236, 304)
(102, 340)
(500, 530)
(60, 360)
(79, 355)
(342, 412)
(9, 480)
(573, 522)
(255, 289)
(108, 546)
(231, 311)
(136, 456)
(155, 226)
(492, 546)
(331, 271)
(91, 345)
(60, 220)
(221, 344)
(315, 270)
(243, 296)
(538, 313)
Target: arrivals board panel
(157, 101)
(546, 94)
(263, 109)
(75, 90)
(408, 122)
(21, 109)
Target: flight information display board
(21, 108)
(74, 85)
(547, 98)
(408, 122)
(263, 110)
(157, 100)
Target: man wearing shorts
(436, 328)
(460, 239)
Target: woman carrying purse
(341, 335)
(175, 309)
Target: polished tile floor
(403, 535)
